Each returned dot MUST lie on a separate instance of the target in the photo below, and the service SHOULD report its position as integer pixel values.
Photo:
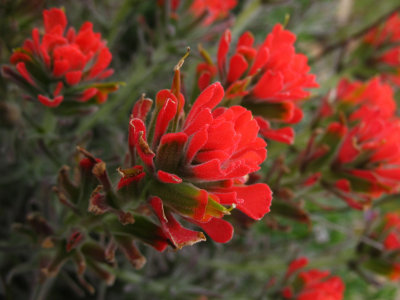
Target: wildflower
(355, 98)
(368, 158)
(392, 226)
(269, 79)
(312, 284)
(388, 32)
(197, 165)
(360, 161)
(63, 64)
(360, 150)
(384, 41)
(214, 10)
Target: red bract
(392, 228)
(389, 32)
(213, 10)
(269, 79)
(386, 38)
(313, 284)
(364, 145)
(196, 165)
(62, 64)
(356, 98)
(296, 265)
(319, 285)
(392, 240)
(368, 160)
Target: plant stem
(42, 289)
(332, 47)
(48, 153)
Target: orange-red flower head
(214, 10)
(312, 284)
(384, 39)
(268, 79)
(364, 144)
(62, 64)
(369, 157)
(197, 165)
(356, 98)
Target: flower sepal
(188, 200)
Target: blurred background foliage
(146, 44)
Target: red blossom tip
(219, 230)
(134, 174)
(50, 102)
(168, 177)
(74, 240)
(54, 19)
(178, 235)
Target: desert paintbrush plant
(264, 164)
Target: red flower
(369, 157)
(358, 97)
(313, 284)
(389, 32)
(214, 10)
(387, 37)
(195, 166)
(319, 285)
(365, 151)
(269, 79)
(392, 228)
(296, 265)
(63, 64)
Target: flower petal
(219, 230)
(178, 235)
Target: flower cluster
(207, 10)
(269, 79)
(364, 146)
(356, 98)
(63, 64)
(213, 10)
(368, 158)
(384, 40)
(311, 284)
(193, 166)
